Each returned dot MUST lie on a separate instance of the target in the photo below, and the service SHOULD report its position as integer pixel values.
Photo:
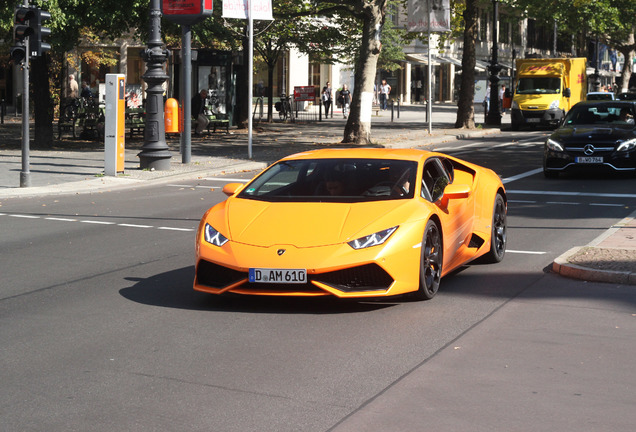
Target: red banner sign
(304, 93)
(186, 11)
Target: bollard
(3, 110)
(398, 109)
(171, 117)
(392, 109)
(320, 111)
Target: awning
(421, 59)
(447, 59)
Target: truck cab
(545, 89)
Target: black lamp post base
(158, 161)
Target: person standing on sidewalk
(345, 100)
(73, 87)
(327, 100)
(385, 91)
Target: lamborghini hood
(265, 224)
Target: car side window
(434, 180)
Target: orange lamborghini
(351, 223)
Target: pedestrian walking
(385, 91)
(345, 99)
(327, 100)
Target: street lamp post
(154, 153)
(494, 114)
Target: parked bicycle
(284, 108)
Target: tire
(498, 235)
(430, 262)
(550, 174)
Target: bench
(215, 120)
(81, 114)
(135, 121)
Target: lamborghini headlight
(627, 145)
(554, 145)
(374, 239)
(214, 237)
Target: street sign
(261, 9)
(186, 12)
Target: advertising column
(114, 129)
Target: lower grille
(216, 276)
(369, 277)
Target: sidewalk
(75, 166)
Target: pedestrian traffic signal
(21, 32)
(21, 28)
(37, 45)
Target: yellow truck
(546, 89)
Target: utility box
(115, 125)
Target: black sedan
(594, 134)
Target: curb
(562, 266)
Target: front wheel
(498, 235)
(430, 262)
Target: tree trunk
(465, 108)
(358, 127)
(628, 52)
(270, 91)
(41, 102)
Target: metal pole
(25, 174)
(429, 92)
(155, 153)
(494, 114)
(186, 79)
(250, 76)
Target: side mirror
(231, 188)
(454, 191)
(567, 92)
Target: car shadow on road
(173, 289)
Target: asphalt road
(100, 329)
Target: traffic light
(38, 46)
(21, 31)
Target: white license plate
(533, 120)
(285, 276)
(589, 159)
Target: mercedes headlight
(554, 145)
(374, 239)
(214, 237)
(514, 105)
(627, 145)
(554, 104)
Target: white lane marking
(522, 175)
(563, 193)
(607, 205)
(175, 229)
(522, 201)
(181, 186)
(135, 225)
(223, 179)
(525, 252)
(24, 216)
(94, 222)
(562, 202)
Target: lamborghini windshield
(336, 180)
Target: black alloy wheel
(498, 235)
(430, 263)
